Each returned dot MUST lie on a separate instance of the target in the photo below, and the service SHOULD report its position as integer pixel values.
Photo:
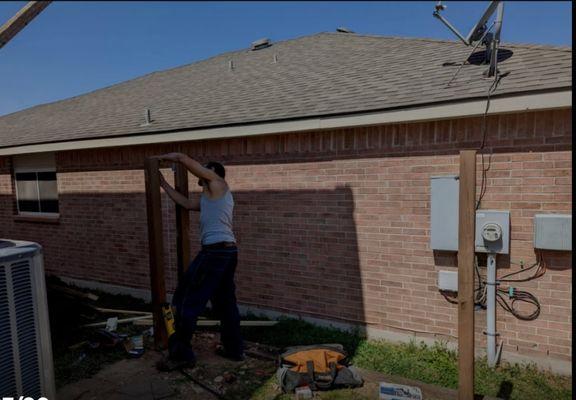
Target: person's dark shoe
(180, 355)
(233, 357)
(168, 364)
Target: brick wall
(331, 224)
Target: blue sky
(76, 47)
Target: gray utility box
(444, 212)
(444, 201)
(553, 232)
(487, 219)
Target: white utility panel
(553, 232)
(448, 280)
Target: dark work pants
(209, 277)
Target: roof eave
(554, 99)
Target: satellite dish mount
(480, 33)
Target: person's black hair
(216, 167)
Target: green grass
(438, 365)
(435, 364)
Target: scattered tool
(168, 318)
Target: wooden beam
(466, 252)
(182, 222)
(119, 311)
(122, 320)
(20, 20)
(156, 249)
(147, 322)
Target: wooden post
(466, 252)
(182, 222)
(20, 20)
(156, 249)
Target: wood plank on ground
(119, 311)
(145, 322)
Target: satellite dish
(480, 32)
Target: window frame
(19, 170)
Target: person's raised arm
(191, 165)
(179, 198)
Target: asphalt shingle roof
(318, 75)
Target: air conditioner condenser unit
(26, 366)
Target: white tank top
(216, 219)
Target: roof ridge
(525, 45)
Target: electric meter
(491, 232)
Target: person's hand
(175, 157)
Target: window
(36, 187)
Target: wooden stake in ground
(466, 252)
(156, 249)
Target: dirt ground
(253, 378)
(139, 378)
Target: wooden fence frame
(156, 240)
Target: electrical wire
(479, 291)
(509, 298)
(518, 296)
(541, 270)
(515, 296)
(483, 184)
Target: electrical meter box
(493, 231)
(553, 232)
(444, 212)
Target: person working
(211, 275)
